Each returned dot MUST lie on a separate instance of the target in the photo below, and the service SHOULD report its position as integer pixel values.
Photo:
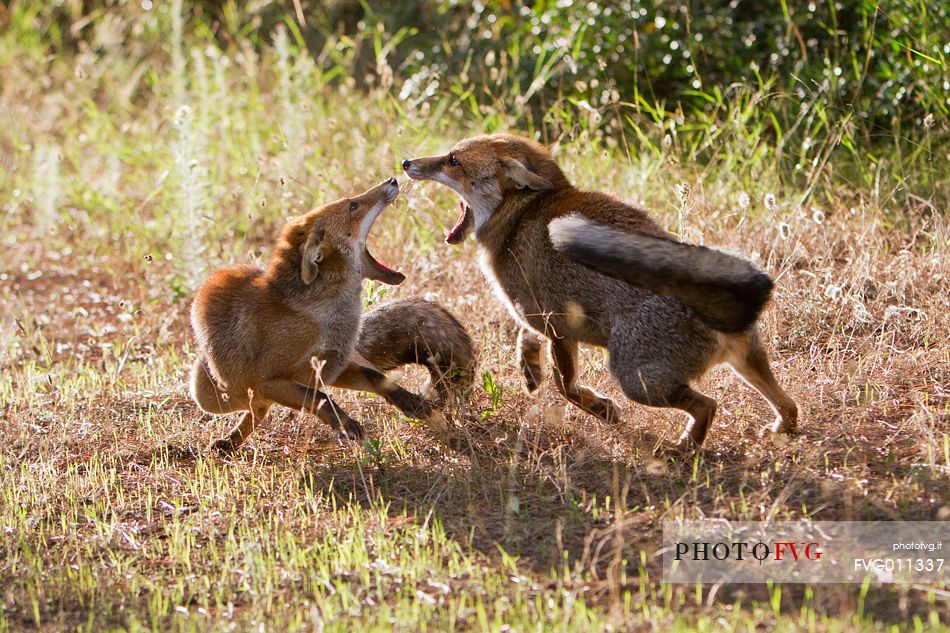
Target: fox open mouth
(372, 267)
(463, 225)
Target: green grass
(217, 548)
(135, 166)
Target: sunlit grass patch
(133, 166)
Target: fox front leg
(362, 378)
(293, 395)
(529, 359)
(564, 355)
(337, 419)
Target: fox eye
(453, 161)
(354, 205)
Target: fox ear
(522, 176)
(312, 253)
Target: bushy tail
(726, 292)
(421, 332)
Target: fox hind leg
(249, 421)
(641, 386)
(701, 409)
(654, 360)
(208, 395)
(750, 361)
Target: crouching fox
(277, 336)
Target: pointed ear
(522, 176)
(312, 253)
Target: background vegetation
(143, 144)
(867, 77)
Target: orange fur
(277, 336)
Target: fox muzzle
(423, 168)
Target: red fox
(611, 277)
(275, 336)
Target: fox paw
(780, 425)
(437, 422)
(180, 453)
(531, 382)
(411, 405)
(686, 446)
(349, 429)
(225, 446)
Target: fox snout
(364, 208)
(385, 193)
(422, 168)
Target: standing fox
(272, 337)
(582, 267)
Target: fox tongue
(372, 269)
(462, 226)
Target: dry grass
(532, 515)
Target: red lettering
(785, 545)
(810, 550)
